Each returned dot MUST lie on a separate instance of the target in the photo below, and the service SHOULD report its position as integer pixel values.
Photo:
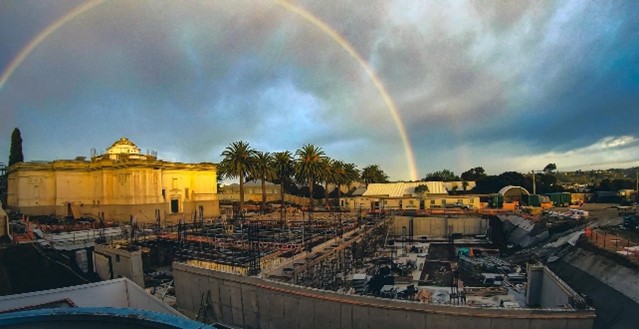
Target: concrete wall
(251, 302)
(546, 289)
(123, 263)
(118, 293)
(621, 278)
(440, 226)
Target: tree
(309, 168)
(348, 174)
(549, 168)
(492, 184)
(238, 162)
(15, 153)
(444, 175)
(421, 189)
(373, 174)
(338, 176)
(614, 184)
(351, 174)
(262, 169)
(473, 174)
(318, 191)
(514, 178)
(328, 176)
(464, 185)
(282, 163)
(488, 184)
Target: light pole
(534, 181)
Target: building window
(186, 193)
(117, 258)
(163, 194)
(175, 206)
(432, 201)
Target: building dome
(123, 146)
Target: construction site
(509, 267)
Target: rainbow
(377, 82)
(24, 52)
(307, 16)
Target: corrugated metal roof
(510, 187)
(396, 190)
(359, 191)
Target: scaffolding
(254, 248)
(329, 269)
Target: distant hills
(596, 177)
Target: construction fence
(613, 242)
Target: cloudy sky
(507, 85)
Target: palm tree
(283, 166)
(328, 176)
(309, 168)
(349, 174)
(237, 163)
(262, 169)
(352, 174)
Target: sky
(506, 85)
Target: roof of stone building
(123, 141)
(359, 191)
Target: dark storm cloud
(586, 82)
(187, 79)
(541, 75)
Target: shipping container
(560, 199)
(532, 200)
(496, 201)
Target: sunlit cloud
(609, 152)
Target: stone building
(117, 184)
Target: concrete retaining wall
(546, 289)
(441, 226)
(623, 279)
(251, 302)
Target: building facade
(452, 201)
(115, 185)
(252, 192)
(392, 196)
